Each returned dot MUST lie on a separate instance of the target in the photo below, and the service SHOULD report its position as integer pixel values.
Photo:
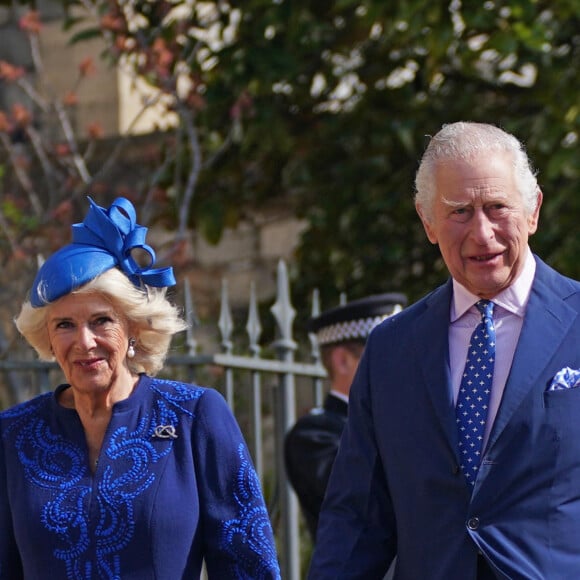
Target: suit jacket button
(455, 469)
(473, 523)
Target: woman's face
(89, 340)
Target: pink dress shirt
(510, 307)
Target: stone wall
(98, 93)
(246, 255)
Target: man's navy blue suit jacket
(396, 487)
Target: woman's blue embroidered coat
(174, 486)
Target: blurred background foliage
(328, 104)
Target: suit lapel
(432, 340)
(547, 321)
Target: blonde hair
(153, 319)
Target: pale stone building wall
(246, 255)
(98, 94)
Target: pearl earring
(131, 349)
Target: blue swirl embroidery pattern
(251, 527)
(54, 463)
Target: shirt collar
(339, 395)
(513, 299)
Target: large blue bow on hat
(104, 240)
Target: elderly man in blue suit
(461, 453)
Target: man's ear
(431, 236)
(343, 360)
(534, 218)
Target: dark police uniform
(311, 445)
(310, 448)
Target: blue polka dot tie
(474, 392)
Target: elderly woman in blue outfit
(118, 474)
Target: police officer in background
(311, 445)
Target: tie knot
(485, 307)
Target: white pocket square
(565, 378)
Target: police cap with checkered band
(354, 320)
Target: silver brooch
(165, 432)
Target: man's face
(480, 222)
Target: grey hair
(462, 141)
(152, 317)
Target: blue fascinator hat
(104, 240)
